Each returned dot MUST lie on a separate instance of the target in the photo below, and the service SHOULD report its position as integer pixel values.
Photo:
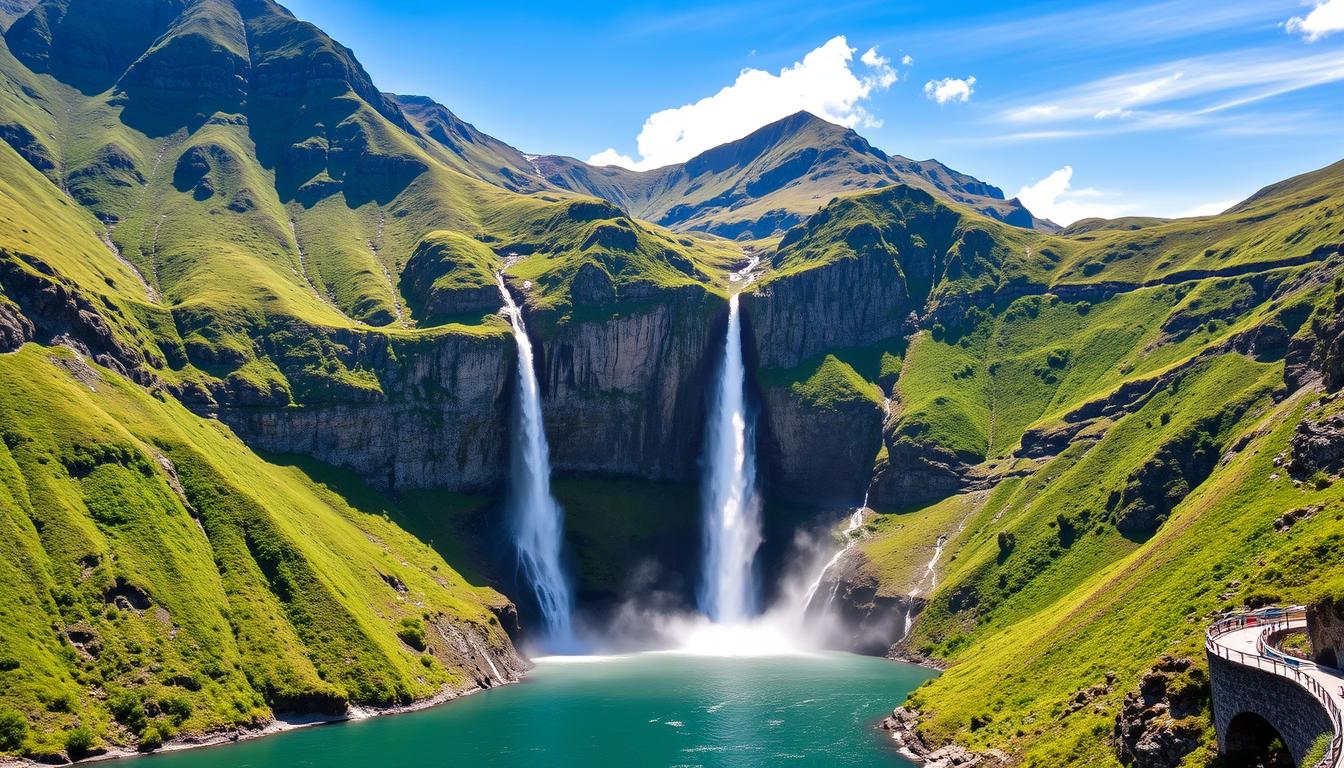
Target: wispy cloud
(1108, 24)
(1177, 94)
(826, 83)
(1325, 19)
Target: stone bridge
(1260, 693)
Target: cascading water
(731, 510)
(537, 520)
(852, 527)
(930, 575)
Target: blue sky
(1110, 108)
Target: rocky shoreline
(278, 724)
(901, 723)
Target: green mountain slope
(767, 182)
(1094, 458)
(160, 577)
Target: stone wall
(1325, 627)
(1295, 714)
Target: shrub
(177, 708)
(127, 709)
(1318, 748)
(13, 729)
(61, 702)
(412, 633)
(153, 735)
(78, 742)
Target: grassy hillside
(1132, 432)
(1069, 599)
(207, 232)
(158, 577)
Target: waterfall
(732, 523)
(536, 518)
(930, 575)
(855, 523)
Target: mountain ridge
(778, 174)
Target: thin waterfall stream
(850, 539)
(537, 521)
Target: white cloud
(1325, 18)
(1054, 198)
(950, 89)
(907, 60)
(824, 83)
(611, 157)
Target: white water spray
(731, 509)
(537, 519)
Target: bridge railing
(1269, 659)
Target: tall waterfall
(536, 518)
(732, 521)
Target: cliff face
(851, 302)
(626, 394)
(815, 454)
(438, 420)
(622, 395)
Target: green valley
(268, 410)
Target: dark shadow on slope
(456, 525)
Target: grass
(237, 600)
(1073, 598)
(826, 384)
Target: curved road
(1243, 639)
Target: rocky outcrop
(849, 303)
(818, 454)
(1318, 445)
(1161, 482)
(15, 329)
(44, 307)
(1325, 627)
(914, 472)
(465, 646)
(869, 623)
(450, 275)
(1162, 721)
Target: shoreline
(283, 723)
(287, 722)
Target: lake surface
(651, 709)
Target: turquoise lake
(650, 709)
